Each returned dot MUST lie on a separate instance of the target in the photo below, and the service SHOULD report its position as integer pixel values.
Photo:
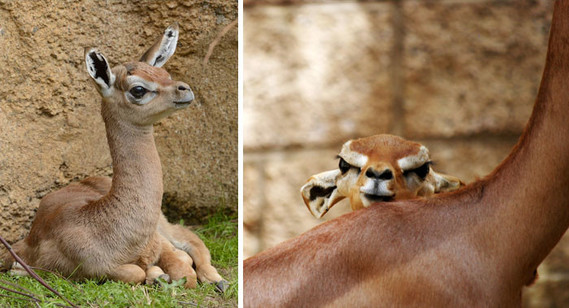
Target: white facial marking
(135, 81)
(376, 187)
(353, 158)
(414, 161)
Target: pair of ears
(320, 192)
(157, 55)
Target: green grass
(219, 235)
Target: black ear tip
(172, 28)
(89, 50)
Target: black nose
(386, 174)
(182, 88)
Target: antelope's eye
(421, 171)
(344, 166)
(138, 92)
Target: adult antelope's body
(476, 247)
(114, 228)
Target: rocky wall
(51, 131)
(459, 76)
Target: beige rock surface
(51, 132)
(476, 70)
(308, 79)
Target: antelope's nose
(185, 92)
(384, 174)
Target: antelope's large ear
(320, 192)
(446, 183)
(163, 49)
(99, 69)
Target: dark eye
(344, 166)
(421, 171)
(138, 92)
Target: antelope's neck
(530, 190)
(137, 188)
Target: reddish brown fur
(396, 148)
(476, 247)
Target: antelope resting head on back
(477, 247)
(376, 169)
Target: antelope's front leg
(155, 272)
(128, 273)
(177, 264)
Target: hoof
(221, 286)
(166, 278)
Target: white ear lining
(320, 192)
(99, 69)
(160, 52)
(445, 183)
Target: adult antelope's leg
(128, 273)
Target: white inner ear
(353, 158)
(445, 182)
(100, 72)
(319, 205)
(414, 161)
(167, 47)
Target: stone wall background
(460, 76)
(51, 131)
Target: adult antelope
(476, 247)
(376, 169)
(114, 228)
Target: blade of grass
(20, 293)
(21, 298)
(59, 276)
(32, 273)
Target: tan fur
(110, 228)
(476, 247)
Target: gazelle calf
(114, 228)
(376, 169)
(475, 247)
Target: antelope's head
(142, 92)
(379, 168)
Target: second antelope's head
(379, 168)
(140, 92)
